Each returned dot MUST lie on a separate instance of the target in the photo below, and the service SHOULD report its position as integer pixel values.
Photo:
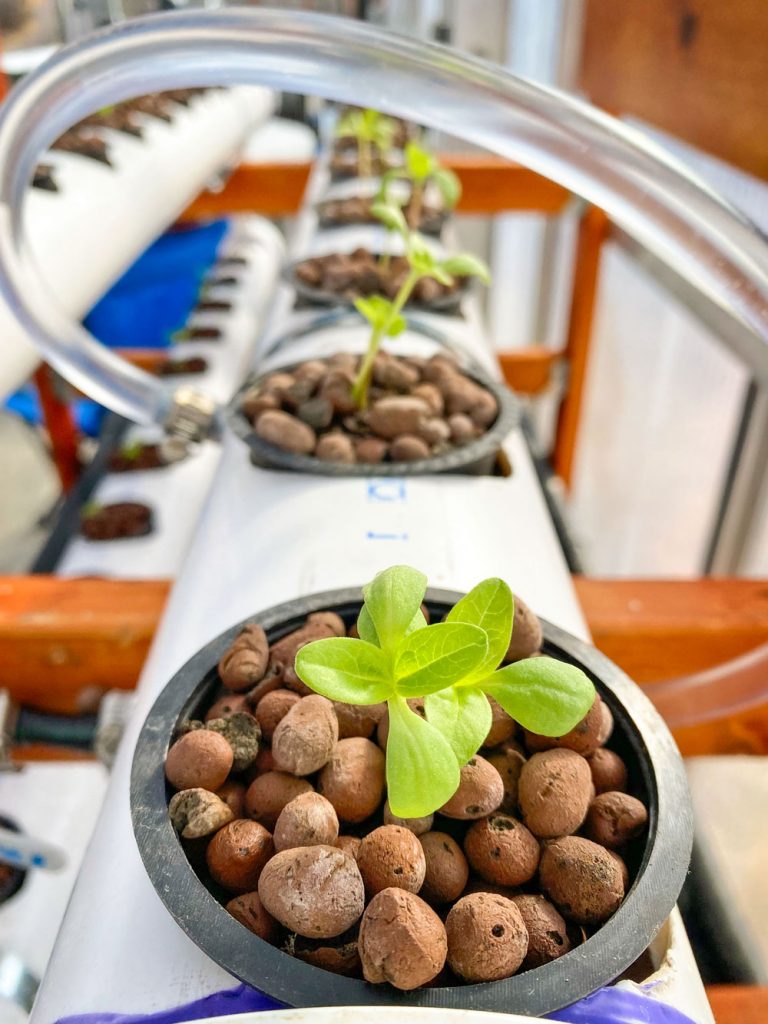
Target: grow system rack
(114, 212)
(265, 537)
(176, 492)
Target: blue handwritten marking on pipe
(387, 490)
(373, 535)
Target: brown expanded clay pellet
(502, 850)
(316, 891)
(416, 825)
(269, 793)
(238, 853)
(358, 719)
(446, 868)
(609, 773)
(554, 792)
(582, 879)
(272, 708)
(391, 856)
(402, 940)
(249, 911)
(509, 764)
(527, 636)
(487, 938)
(615, 818)
(244, 663)
(308, 820)
(547, 930)
(480, 791)
(199, 759)
(306, 736)
(503, 726)
(353, 779)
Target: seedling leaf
(463, 715)
(345, 669)
(448, 185)
(488, 605)
(391, 216)
(419, 163)
(439, 656)
(544, 695)
(466, 265)
(393, 599)
(422, 770)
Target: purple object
(606, 1006)
(242, 999)
(619, 1006)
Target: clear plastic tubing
(645, 191)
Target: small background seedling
(385, 315)
(372, 131)
(451, 665)
(420, 168)
(132, 450)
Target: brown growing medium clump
(272, 708)
(609, 773)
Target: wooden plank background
(696, 68)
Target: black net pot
(657, 864)
(478, 458)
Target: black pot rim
(598, 961)
(453, 461)
(447, 303)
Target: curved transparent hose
(728, 689)
(642, 189)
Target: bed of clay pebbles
(117, 521)
(417, 408)
(357, 210)
(144, 455)
(360, 273)
(279, 799)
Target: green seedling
(91, 508)
(451, 665)
(385, 315)
(132, 451)
(372, 131)
(420, 168)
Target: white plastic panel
(176, 493)
(85, 235)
